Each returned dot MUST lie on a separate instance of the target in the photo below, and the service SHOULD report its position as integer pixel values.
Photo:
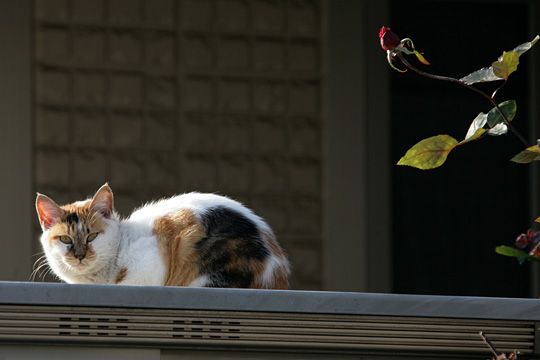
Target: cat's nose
(80, 256)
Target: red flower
(389, 40)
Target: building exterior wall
(164, 97)
(15, 145)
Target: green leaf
(528, 155)
(499, 129)
(523, 48)
(483, 75)
(494, 119)
(502, 68)
(429, 153)
(508, 108)
(476, 127)
(520, 255)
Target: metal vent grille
(174, 328)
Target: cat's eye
(65, 239)
(91, 237)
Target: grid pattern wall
(161, 97)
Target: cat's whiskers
(40, 264)
(43, 270)
(45, 273)
(48, 272)
(39, 260)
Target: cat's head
(79, 238)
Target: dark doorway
(448, 221)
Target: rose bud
(522, 241)
(535, 238)
(531, 234)
(389, 40)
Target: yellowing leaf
(429, 153)
(501, 68)
(506, 64)
(528, 155)
(478, 123)
(493, 119)
(476, 129)
(477, 135)
(537, 220)
(421, 58)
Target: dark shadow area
(448, 221)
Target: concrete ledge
(213, 321)
(143, 297)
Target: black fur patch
(72, 218)
(228, 223)
(232, 278)
(230, 236)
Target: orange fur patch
(91, 219)
(84, 212)
(121, 275)
(177, 235)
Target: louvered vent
(284, 330)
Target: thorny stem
(459, 82)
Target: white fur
(196, 202)
(201, 281)
(271, 265)
(131, 244)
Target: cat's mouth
(79, 265)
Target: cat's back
(211, 240)
(198, 203)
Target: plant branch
(472, 88)
(534, 250)
(491, 347)
(499, 88)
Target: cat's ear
(49, 213)
(103, 201)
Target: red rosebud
(389, 39)
(535, 238)
(522, 241)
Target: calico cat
(194, 239)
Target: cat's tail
(276, 271)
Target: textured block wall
(161, 97)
